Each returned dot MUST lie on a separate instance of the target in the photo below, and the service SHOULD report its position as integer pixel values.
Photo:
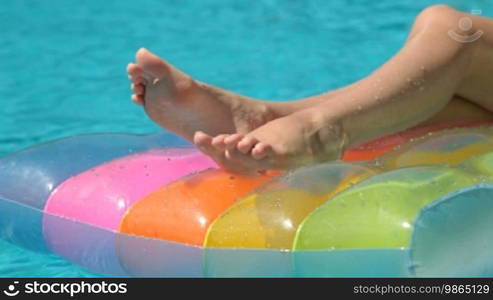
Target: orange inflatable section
(182, 211)
(375, 148)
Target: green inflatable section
(482, 164)
(380, 211)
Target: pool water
(62, 63)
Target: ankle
(325, 134)
(331, 135)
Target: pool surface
(63, 63)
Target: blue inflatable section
(453, 236)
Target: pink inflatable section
(100, 196)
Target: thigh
(460, 109)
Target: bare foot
(299, 139)
(185, 106)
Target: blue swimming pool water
(62, 63)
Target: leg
(412, 87)
(183, 105)
(421, 79)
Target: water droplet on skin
(377, 163)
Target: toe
(138, 89)
(232, 140)
(158, 69)
(239, 162)
(134, 70)
(234, 163)
(218, 142)
(234, 156)
(138, 99)
(152, 64)
(203, 141)
(139, 80)
(246, 144)
(261, 150)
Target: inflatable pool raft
(418, 203)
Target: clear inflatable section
(147, 257)
(384, 262)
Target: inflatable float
(417, 203)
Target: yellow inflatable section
(269, 217)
